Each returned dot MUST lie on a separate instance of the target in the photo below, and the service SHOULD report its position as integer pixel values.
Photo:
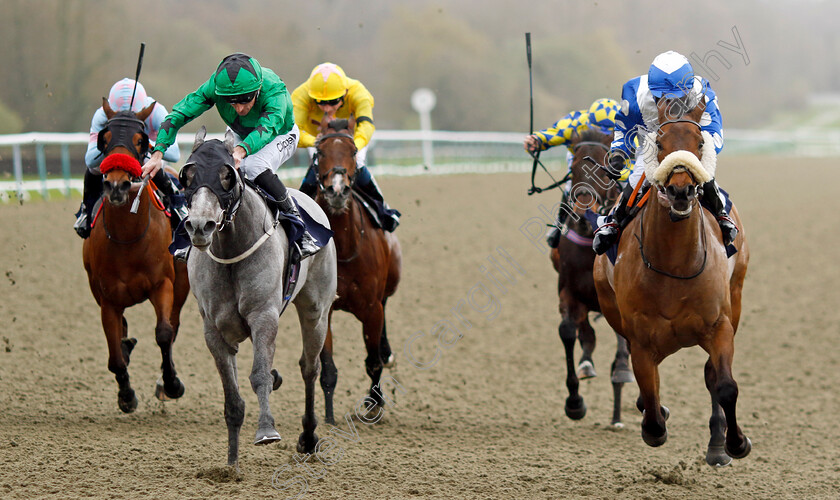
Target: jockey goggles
(331, 102)
(241, 98)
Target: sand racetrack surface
(485, 419)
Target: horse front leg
(116, 330)
(263, 335)
(715, 454)
(372, 324)
(385, 352)
(225, 358)
(575, 407)
(724, 389)
(586, 336)
(314, 320)
(329, 374)
(169, 386)
(654, 431)
(620, 374)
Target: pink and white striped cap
(120, 96)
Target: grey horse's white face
(206, 217)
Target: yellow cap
(327, 82)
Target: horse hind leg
(314, 320)
(329, 376)
(575, 407)
(372, 326)
(620, 374)
(385, 352)
(586, 335)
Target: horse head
(120, 170)
(125, 131)
(591, 187)
(684, 156)
(336, 160)
(213, 188)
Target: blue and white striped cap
(670, 74)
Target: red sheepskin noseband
(119, 161)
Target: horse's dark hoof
(740, 453)
(267, 436)
(164, 393)
(654, 441)
(329, 419)
(665, 412)
(575, 409)
(716, 457)
(127, 346)
(586, 370)
(622, 376)
(127, 401)
(376, 398)
(278, 380)
(307, 445)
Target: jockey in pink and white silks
(119, 98)
(672, 77)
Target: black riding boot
(714, 202)
(389, 217)
(92, 191)
(271, 184)
(553, 238)
(309, 185)
(177, 201)
(606, 235)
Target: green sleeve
(186, 110)
(276, 115)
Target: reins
(228, 216)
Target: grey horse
(237, 278)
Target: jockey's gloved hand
(616, 165)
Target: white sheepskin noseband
(703, 169)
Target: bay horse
(672, 285)
(573, 259)
(127, 257)
(369, 260)
(237, 277)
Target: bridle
(123, 126)
(338, 169)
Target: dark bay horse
(127, 257)
(237, 275)
(369, 259)
(573, 259)
(672, 285)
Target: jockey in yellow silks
(327, 95)
(599, 116)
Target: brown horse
(127, 258)
(369, 260)
(573, 259)
(672, 285)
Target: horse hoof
(622, 377)
(278, 380)
(586, 370)
(127, 401)
(575, 412)
(267, 437)
(617, 425)
(743, 453)
(654, 441)
(307, 445)
(665, 412)
(716, 457)
(164, 394)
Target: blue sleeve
(173, 153)
(93, 157)
(711, 121)
(628, 118)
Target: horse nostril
(345, 189)
(188, 226)
(125, 185)
(209, 227)
(330, 190)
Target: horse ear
(229, 141)
(187, 175)
(575, 137)
(106, 107)
(199, 137)
(145, 112)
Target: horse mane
(592, 135)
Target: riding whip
(536, 155)
(136, 203)
(137, 73)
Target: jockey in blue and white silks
(672, 77)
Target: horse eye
(702, 143)
(658, 144)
